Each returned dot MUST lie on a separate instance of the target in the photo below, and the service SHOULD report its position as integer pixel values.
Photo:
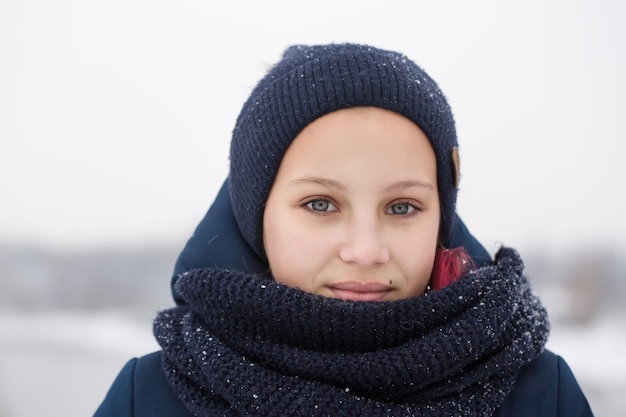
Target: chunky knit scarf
(245, 345)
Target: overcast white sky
(115, 116)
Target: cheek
(274, 239)
(292, 252)
(417, 259)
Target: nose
(364, 245)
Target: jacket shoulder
(546, 387)
(140, 389)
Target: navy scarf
(245, 345)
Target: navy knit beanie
(311, 81)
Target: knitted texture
(311, 81)
(246, 345)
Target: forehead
(360, 146)
(351, 133)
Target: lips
(360, 291)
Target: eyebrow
(403, 185)
(327, 182)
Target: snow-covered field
(61, 364)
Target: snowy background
(114, 125)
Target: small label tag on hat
(456, 161)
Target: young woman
(332, 275)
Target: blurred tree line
(578, 288)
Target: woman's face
(354, 209)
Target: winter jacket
(545, 387)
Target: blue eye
(321, 205)
(401, 209)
